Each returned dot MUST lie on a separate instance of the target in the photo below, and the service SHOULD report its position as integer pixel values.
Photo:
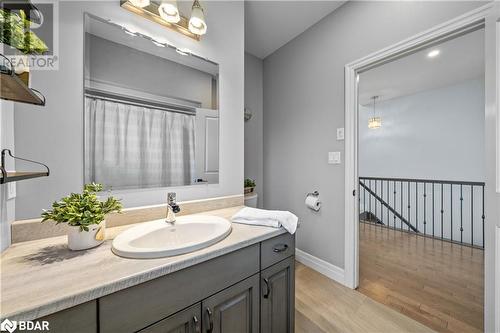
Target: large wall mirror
(151, 114)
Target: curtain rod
(139, 102)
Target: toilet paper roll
(312, 201)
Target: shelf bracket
(6, 178)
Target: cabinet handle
(268, 290)
(280, 248)
(210, 321)
(196, 324)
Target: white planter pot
(82, 240)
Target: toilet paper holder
(314, 194)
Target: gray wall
(126, 67)
(254, 146)
(304, 104)
(433, 134)
(54, 134)
(7, 204)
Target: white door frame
(455, 27)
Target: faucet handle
(171, 198)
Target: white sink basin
(158, 238)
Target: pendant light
(140, 3)
(169, 11)
(197, 24)
(374, 122)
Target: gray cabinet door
(186, 321)
(233, 310)
(277, 303)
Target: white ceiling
(271, 24)
(460, 59)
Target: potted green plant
(249, 185)
(85, 214)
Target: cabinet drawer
(276, 249)
(134, 308)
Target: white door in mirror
(158, 238)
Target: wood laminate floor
(436, 283)
(323, 305)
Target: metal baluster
(461, 214)
(409, 219)
(382, 197)
(425, 216)
(472, 214)
(359, 199)
(416, 204)
(401, 222)
(364, 199)
(482, 216)
(451, 211)
(433, 210)
(376, 203)
(388, 223)
(370, 202)
(442, 210)
(394, 215)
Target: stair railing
(451, 211)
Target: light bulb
(169, 11)
(374, 123)
(140, 3)
(197, 24)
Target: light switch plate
(334, 157)
(340, 133)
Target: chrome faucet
(172, 208)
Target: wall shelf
(12, 88)
(14, 176)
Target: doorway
(484, 17)
(421, 184)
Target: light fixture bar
(151, 13)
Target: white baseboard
(331, 271)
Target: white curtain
(129, 146)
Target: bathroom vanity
(247, 285)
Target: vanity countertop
(42, 277)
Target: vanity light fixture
(374, 122)
(197, 24)
(140, 3)
(166, 13)
(169, 11)
(433, 53)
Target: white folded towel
(269, 218)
